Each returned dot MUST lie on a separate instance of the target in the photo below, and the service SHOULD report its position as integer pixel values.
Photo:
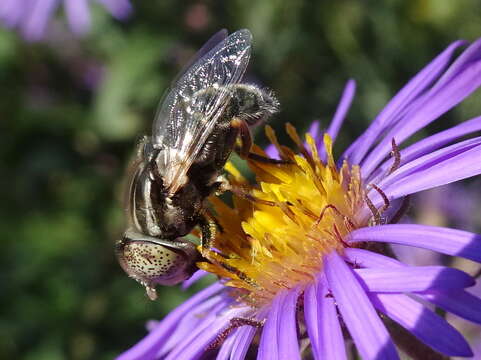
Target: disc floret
(302, 210)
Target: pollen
(296, 212)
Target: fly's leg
(234, 324)
(245, 144)
(209, 228)
(266, 160)
(244, 136)
(225, 185)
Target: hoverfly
(203, 117)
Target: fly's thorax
(152, 261)
(251, 103)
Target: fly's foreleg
(244, 145)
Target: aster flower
(31, 17)
(305, 263)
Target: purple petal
(322, 323)
(243, 338)
(268, 347)
(414, 279)
(464, 77)
(368, 259)
(443, 240)
(312, 318)
(35, 21)
(416, 256)
(272, 152)
(195, 343)
(287, 330)
(340, 114)
(11, 11)
(226, 348)
(314, 129)
(422, 323)
(121, 9)
(342, 109)
(189, 323)
(397, 106)
(151, 324)
(428, 145)
(458, 302)
(279, 336)
(199, 274)
(439, 172)
(427, 161)
(367, 330)
(78, 15)
(150, 345)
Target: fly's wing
(189, 111)
(214, 40)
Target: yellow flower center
(301, 211)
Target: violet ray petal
(119, 9)
(428, 145)
(35, 22)
(368, 259)
(414, 278)
(366, 328)
(340, 114)
(195, 344)
(188, 323)
(460, 303)
(150, 345)
(11, 11)
(459, 167)
(431, 170)
(288, 343)
(78, 15)
(312, 318)
(431, 106)
(342, 109)
(314, 131)
(417, 85)
(424, 163)
(268, 347)
(241, 342)
(244, 336)
(151, 324)
(444, 240)
(199, 274)
(226, 348)
(428, 327)
(272, 152)
(415, 256)
(469, 55)
(331, 339)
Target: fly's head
(152, 261)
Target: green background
(72, 109)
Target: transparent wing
(189, 111)
(214, 40)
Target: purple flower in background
(310, 263)
(31, 17)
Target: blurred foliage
(72, 110)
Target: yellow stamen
(267, 248)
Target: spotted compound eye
(155, 261)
